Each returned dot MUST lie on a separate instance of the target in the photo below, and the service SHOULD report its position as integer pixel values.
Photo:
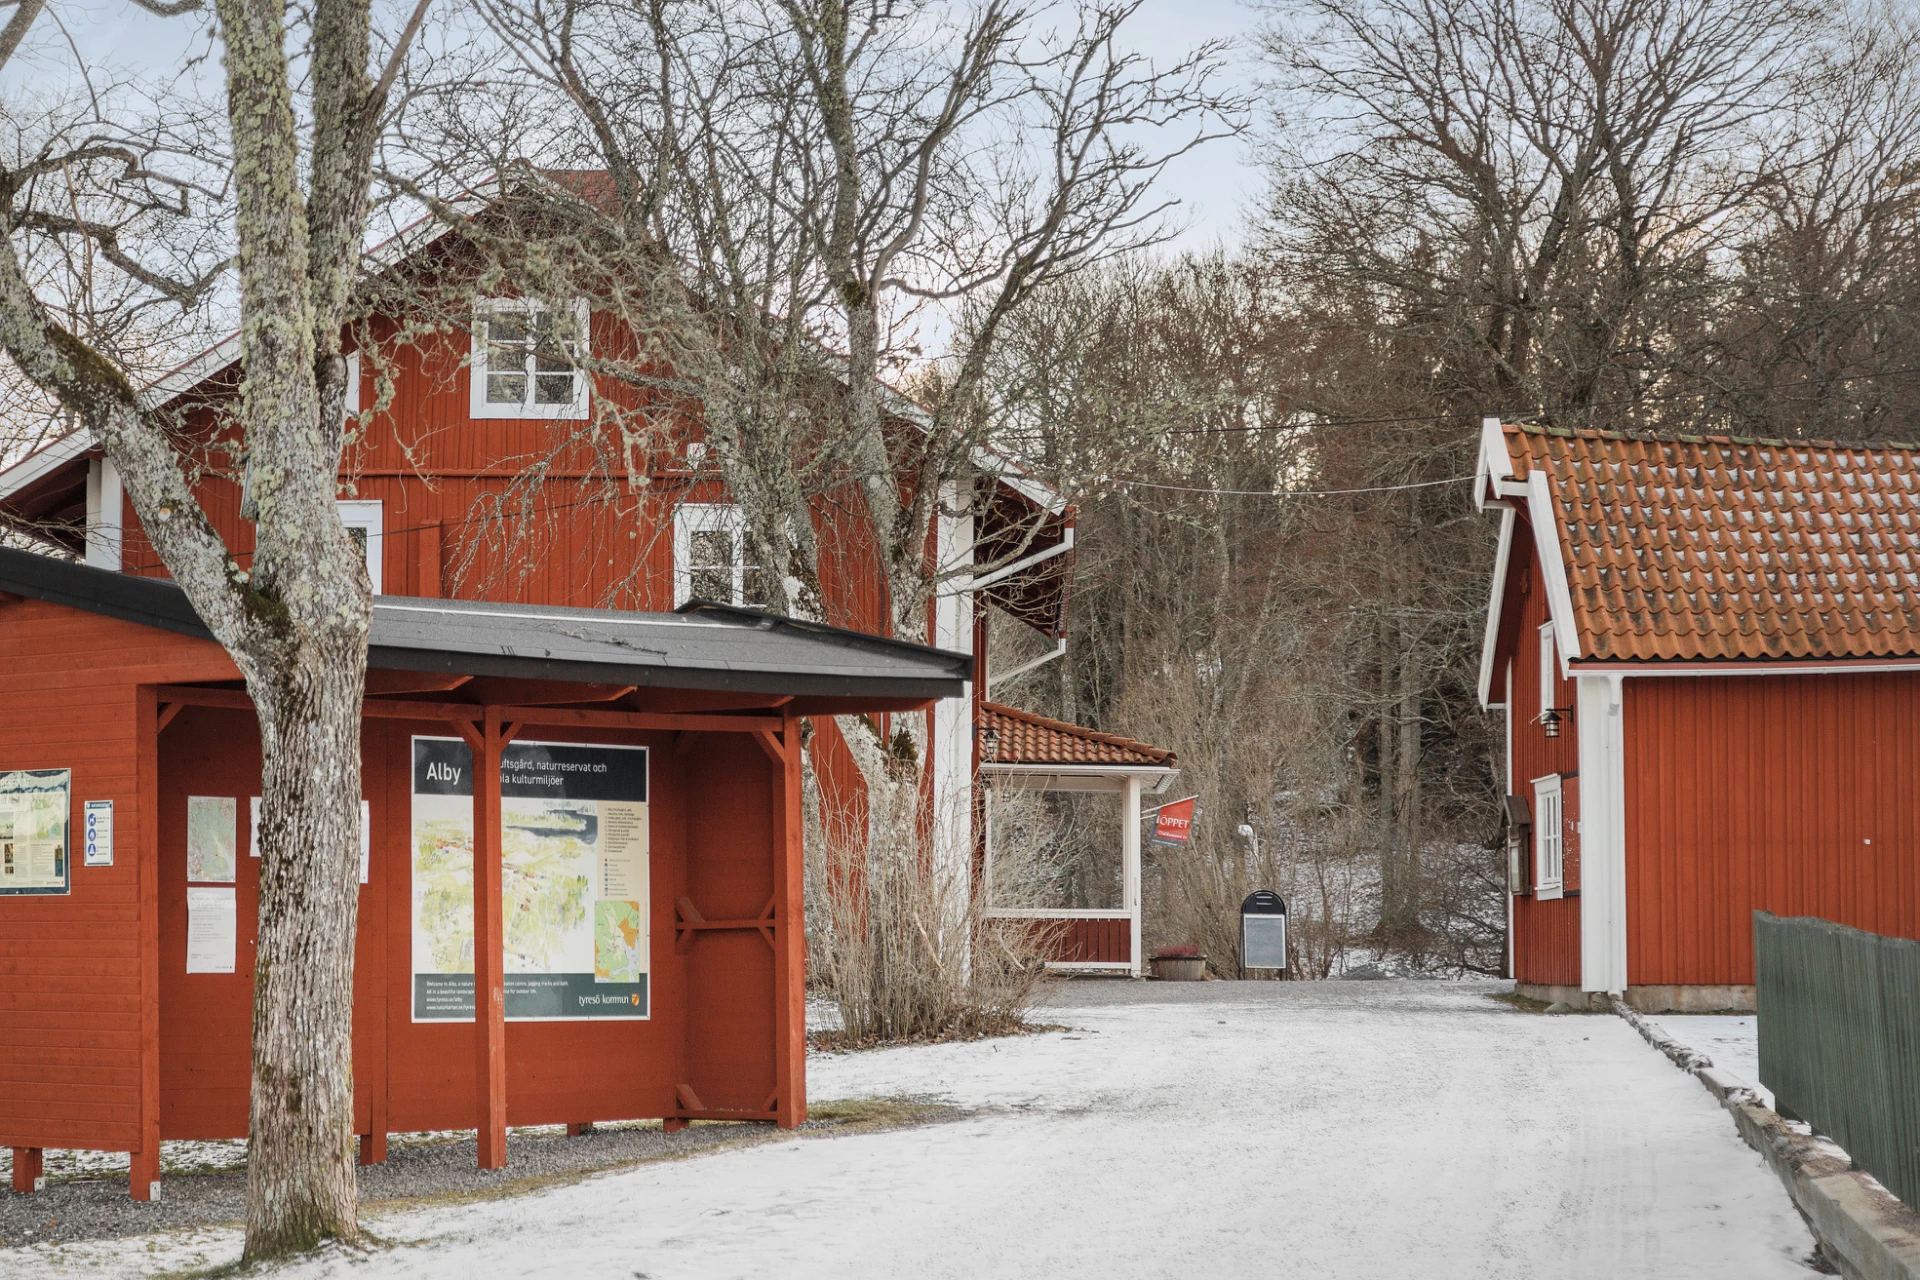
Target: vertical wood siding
(71, 966)
(1790, 794)
(1546, 934)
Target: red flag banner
(1173, 823)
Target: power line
(1292, 493)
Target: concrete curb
(1862, 1229)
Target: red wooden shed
(1707, 650)
(590, 818)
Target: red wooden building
(1707, 650)
(524, 618)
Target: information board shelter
(590, 818)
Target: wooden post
(28, 1171)
(1130, 847)
(790, 938)
(143, 1178)
(489, 958)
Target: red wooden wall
(1546, 934)
(73, 988)
(1095, 941)
(1798, 795)
(711, 811)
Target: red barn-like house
(537, 609)
(1707, 650)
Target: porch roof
(1023, 738)
(707, 647)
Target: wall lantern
(990, 744)
(1552, 718)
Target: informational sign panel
(97, 832)
(1173, 823)
(36, 855)
(213, 922)
(575, 853)
(1263, 931)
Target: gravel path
(97, 1207)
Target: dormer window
(524, 360)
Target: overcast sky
(1213, 183)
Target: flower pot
(1179, 968)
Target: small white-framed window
(1549, 847)
(1549, 668)
(712, 556)
(523, 365)
(366, 526)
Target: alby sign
(1173, 822)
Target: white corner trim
(1601, 725)
(1494, 463)
(1546, 543)
(105, 504)
(1496, 603)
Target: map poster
(35, 810)
(212, 839)
(574, 880)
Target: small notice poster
(366, 833)
(212, 929)
(212, 839)
(97, 832)
(35, 854)
(575, 849)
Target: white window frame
(478, 406)
(370, 516)
(1549, 838)
(690, 518)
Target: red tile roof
(1716, 547)
(1025, 738)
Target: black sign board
(1263, 931)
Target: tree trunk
(300, 1155)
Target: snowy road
(1324, 1130)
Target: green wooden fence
(1839, 1014)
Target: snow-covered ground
(1321, 1130)
(1732, 1042)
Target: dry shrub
(903, 949)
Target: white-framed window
(712, 556)
(1549, 847)
(366, 526)
(1549, 668)
(524, 362)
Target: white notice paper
(212, 930)
(366, 833)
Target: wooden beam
(770, 744)
(29, 1173)
(569, 717)
(381, 683)
(143, 1175)
(489, 954)
(187, 695)
(543, 693)
(788, 937)
(167, 713)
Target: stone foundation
(1688, 998)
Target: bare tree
(296, 623)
